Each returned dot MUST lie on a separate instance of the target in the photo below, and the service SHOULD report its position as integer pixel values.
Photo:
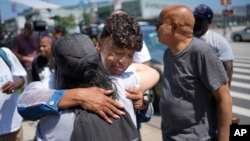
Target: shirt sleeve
(211, 70)
(225, 51)
(37, 101)
(16, 67)
(143, 55)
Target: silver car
(241, 35)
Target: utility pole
(117, 4)
(225, 14)
(0, 24)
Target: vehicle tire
(237, 38)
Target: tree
(67, 21)
(86, 18)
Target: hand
(27, 59)
(137, 97)
(97, 101)
(8, 87)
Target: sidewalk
(29, 130)
(151, 131)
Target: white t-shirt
(143, 55)
(10, 120)
(219, 44)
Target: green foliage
(67, 21)
(86, 17)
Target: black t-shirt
(42, 68)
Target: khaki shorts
(15, 136)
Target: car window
(151, 39)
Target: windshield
(151, 39)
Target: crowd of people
(79, 89)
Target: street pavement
(151, 131)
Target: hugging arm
(148, 77)
(38, 101)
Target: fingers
(105, 117)
(107, 92)
(134, 94)
(8, 87)
(114, 109)
(97, 101)
(137, 97)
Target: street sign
(227, 12)
(225, 2)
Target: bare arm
(228, 65)
(148, 76)
(224, 112)
(147, 63)
(22, 58)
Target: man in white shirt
(12, 77)
(203, 18)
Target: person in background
(203, 18)
(44, 64)
(196, 102)
(25, 47)
(12, 77)
(58, 32)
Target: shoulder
(143, 55)
(7, 51)
(198, 45)
(215, 36)
(18, 37)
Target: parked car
(241, 35)
(156, 50)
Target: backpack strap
(4, 57)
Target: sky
(7, 10)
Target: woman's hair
(78, 64)
(124, 31)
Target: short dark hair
(29, 26)
(60, 29)
(124, 30)
(51, 38)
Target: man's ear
(175, 25)
(98, 45)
